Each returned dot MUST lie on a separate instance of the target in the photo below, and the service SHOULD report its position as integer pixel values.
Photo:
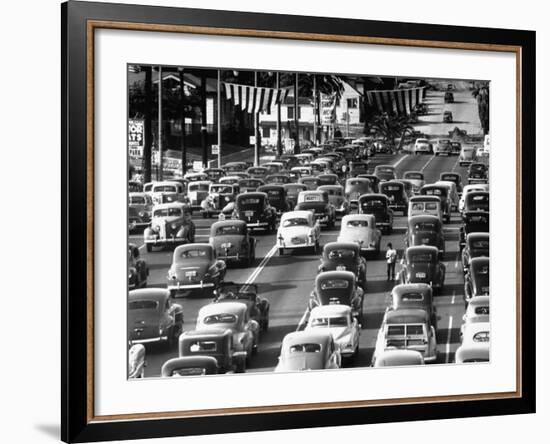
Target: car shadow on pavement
(450, 290)
(442, 335)
(264, 288)
(372, 320)
(288, 259)
(364, 358)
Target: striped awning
(396, 101)
(254, 99)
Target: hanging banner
(396, 101)
(254, 99)
(328, 109)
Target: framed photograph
(275, 221)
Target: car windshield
(449, 177)
(333, 284)
(168, 212)
(143, 305)
(229, 229)
(221, 318)
(295, 222)
(337, 321)
(482, 310)
(305, 348)
(373, 203)
(420, 257)
(137, 200)
(191, 253)
(222, 190)
(199, 187)
(425, 226)
(478, 201)
(482, 336)
(393, 188)
(422, 141)
(414, 176)
(357, 223)
(164, 189)
(341, 254)
(481, 271)
(250, 202)
(480, 244)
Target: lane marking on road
(427, 163)
(449, 328)
(259, 268)
(400, 160)
(456, 163)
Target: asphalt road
(287, 281)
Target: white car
(298, 229)
(361, 228)
(443, 146)
(470, 353)
(396, 357)
(416, 178)
(422, 146)
(468, 189)
(476, 333)
(339, 321)
(477, 311)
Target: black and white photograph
(294, 221)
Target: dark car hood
(318, 207)
(424, 238)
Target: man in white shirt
(391, 257)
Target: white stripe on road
(456, 163)
(259, 268)
(427, 163)
(302, 320)
(400, 160)
(448, 345)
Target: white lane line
(259, 268)
(456, 163)
(427, 163)
(302, 320)
(457, 257)
(448, 345)
(400, 160)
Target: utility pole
(219, 120)
(314, 109)
(279, 140)
(296, 123)
(257, 138)
(182, 105)
(160, 166)
(147, 125)
(204, 129)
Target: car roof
(475, 327)
(298, 213)
(252, 194)
(170, 205)
(157, 294)
(210, 333)
(305, 192)
(271, 186)
(423, 218)
(476, 236)
(321, 336)
(373, 196)
(334, 274)
(400, 357)
(424, 198)
(358, 180)
(227, 223)
(479, 261)
(477, 350)
(199, 182)
(365, 217)
(402, 289)
(195, 246)
(336, 245)
(137, 193)
(406, 316)
(166, 182)
(479, 301)
(422, 248)
(297, 185)
(330, 187)
(330, 310)
(391, 182)
(231, 307)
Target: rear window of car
(425, 226)
(396, 330)
(222, 318)
(373, 203)
(341, 254)
(143, 305)
(222, 190)
(164, 188)
(168, 212)
(199, 187)
(408, 297)
(137, 200)
(391, 187)
(482, 336)
(414, 176)
(229, 229)
(251, 201)
(357, 223)
(203, 346)
(334, 284)
(336, 321)
(334, 192)
(483, 310)
(305, 348)
(295, 222)
(448, 177)
(481, 244)
(435, 192)
(194, 253)
(420, 257)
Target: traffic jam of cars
(282, 267)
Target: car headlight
(174, 226)
(141, 214)
(156, 228)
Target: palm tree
(392, 127)
(481, 93)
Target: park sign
(136, 139)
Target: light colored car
(308, 350)
(338, 320)
(361, 228)
(416, 178)
(443, 146)
(298, 229)
(396, 357)
(471, 353)
(477, 311)
(143, 203)
(425, 205)
(468, 154)
(337, 198)
(452, 195)
(422, 146)
(318, 202)
(468, 189)
(171, 225)
(476, 333)
(197, 192)
(136, 361)
(173, 188)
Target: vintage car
(302, 171)
(153, 317)
(344, 256)
(298, 229)
(292, 192)
(308, 350)
(233, 316)
(452, 195)
(137, 269)
(408, 187)
(135, 186)
(328, 179)
(257, 172)
(407, 329)
(478, 173)
(220, 196)
(290, 160)
(143, 204)
(274, 167)
(195, 177)
(457, 147)
(258, 308)
(319, 203)
(385, 172)
(304, 158)
(189, 366)
(421, 265)
(379, 206)
(471, 353)
(276, 195)
(476, 245)
(342, 325)
(467, 189)
(235, 167)
(195, 266)
(214, 174)
(278, 179)
(422, 146)
(231, 180)
(443, 146)
(476, 201)
(477, 311)
(447, 116)
(452, 177)
(476, 280)
(358, 167)
(398, 357)
(232, 242)
(337, 198)
(171, 225)
(476, 333)
(442, 192)
(316, 168)
(416, 178)
(311, 182)
(356, 187)
(425, 230)
(326, 165)
(135, 220)
(397, 197)
(197, 192)
(414, 296)
(361, 229)
(338, 288)
(217, 343)
(249, 185)
(449, 97)
(419, 205)
(472, 222)
(175, 189)
(136, 361)
(255, 210)
(374, 181)
(467, 155)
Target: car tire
(149, 248)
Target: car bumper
(175, 240)
(149, 340)
(234, 257)
(322, 219)
(257, 224)
(178, 286)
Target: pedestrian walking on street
(391, 257)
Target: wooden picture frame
(79, 22)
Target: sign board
(252, 140)
(289, 145)
(215, 149)
(197, 165)
(136, 136)
(328, 109)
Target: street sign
(135, 138)
(197, 165)
(252, 140)
(215, 150)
